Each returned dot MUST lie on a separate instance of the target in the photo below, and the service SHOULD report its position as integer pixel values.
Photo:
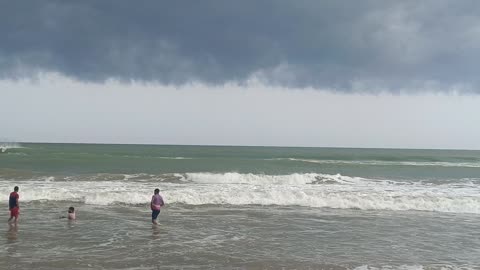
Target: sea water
(241, 208)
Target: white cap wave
(308, 190)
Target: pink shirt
(157, 202)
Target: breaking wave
(4, 146)
(415, 267)
(388, 163)
(307, 190)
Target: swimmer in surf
(71, 213)
(155, 205)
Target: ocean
(241, 208)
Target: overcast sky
(293, 73)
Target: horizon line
(233, 145)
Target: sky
(389, 74)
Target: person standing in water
(156, 204)
(13, 205)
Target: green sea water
(241, 208)
(97, 158)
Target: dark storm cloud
(344, 45)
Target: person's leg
(15, 213)
(155, 215)
(12, 215)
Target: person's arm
(151, 203)
(18, 205)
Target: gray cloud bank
(343, 45)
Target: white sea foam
(143, 156)
(261, 179)
(389, 163)
(174, 157)
(309, 190)
(4, 146)
(414, 267)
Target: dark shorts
(14, 212)
(155, 214)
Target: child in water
(155, 204)
(71, 213)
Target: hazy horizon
(227, 145)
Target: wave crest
(307, 190)
(388, 163)
(4, 146)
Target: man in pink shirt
(156, 204)
(13, 205)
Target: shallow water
(206, 237)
